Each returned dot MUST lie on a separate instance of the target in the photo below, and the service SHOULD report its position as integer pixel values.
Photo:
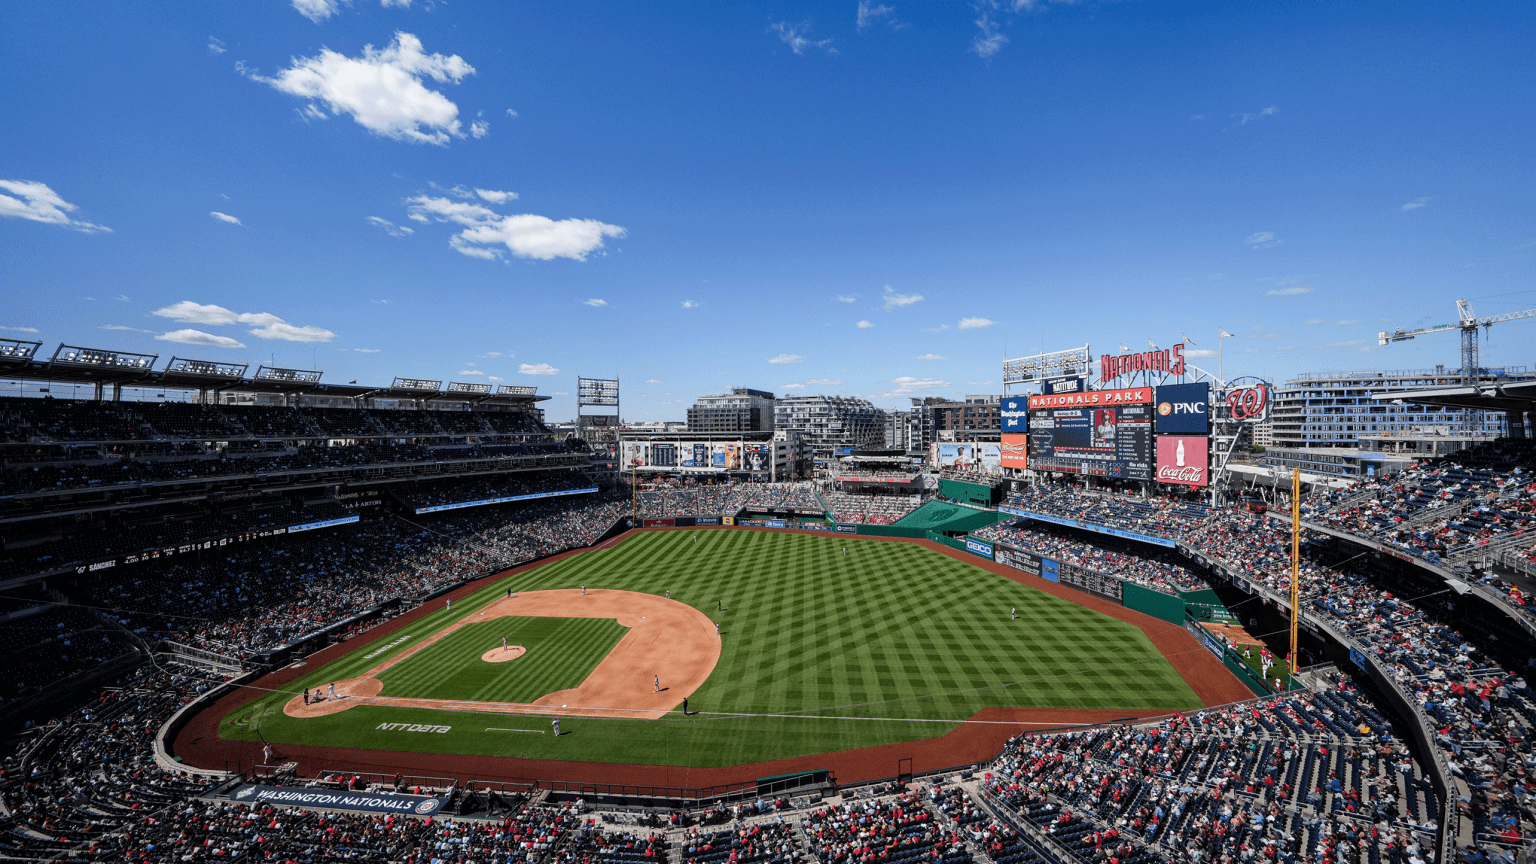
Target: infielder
(556, 723)
(656, 688)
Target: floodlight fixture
(101, 358)
(277, 375)
(417, 385)
(469, 389)
(18, 351)
(1046, 366)
(597, 391)
(206, 369)
(516, 390)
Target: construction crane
(1467, 323)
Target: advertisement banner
(484, 501)
(657, 523)
(990, 456)
(1183, 409)
(352, 802)
(1065, 385)
(329, 523)
(708, 520)
(978, 547)
(635, 455)
(759, 458)
(727, 456)
(664, 455)
(958, 456)
(774, 523)
(1050, 570)
(847, 529)
(727, 520)
(1184, 460)
(1015, 410)
(1015, 451)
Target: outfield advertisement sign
(352, 802)
(978, 547)
(847, 529)
(1090, 526)
(1092, 581)
(657, 523)
(485, 501)
(774, 523)
(708, 520)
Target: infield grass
(821, 651)
(561, 653)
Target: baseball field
(783, 644)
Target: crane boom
(1466, 322)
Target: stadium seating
(1166, 517)
(1150, 569)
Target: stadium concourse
(1335, 773)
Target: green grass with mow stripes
(821, 651)
(561, 653)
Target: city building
(1338, 423)
(828, 422)
(741, 410)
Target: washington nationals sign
(1169, 362)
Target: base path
(667, 640)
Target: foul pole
(1295, 560)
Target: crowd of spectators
(882, 831)
(1442, 508)
(1316, 777)
(663, 500)
(872, 509)
(1158, 571)
(1166, 516)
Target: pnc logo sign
(1183, 409)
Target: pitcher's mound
(502, 655)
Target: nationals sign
(1169, 362)
(1248, 404)
(1183, 459)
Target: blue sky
(876, 199)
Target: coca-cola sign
(1184, 460)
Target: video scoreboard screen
(1104, 433)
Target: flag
(1124, 348)
(1185, 338)
(1224, 333)
(1151, 344)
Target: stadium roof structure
(74, 364)
(1493, 396)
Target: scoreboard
(1103, 433)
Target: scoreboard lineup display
(1104, 433)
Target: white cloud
(1263, 239)
(470, 372)
(870, 12)
(268, 326)
(121, 298)
(991, 39)
(491, 354)
(1243, 119)
(1216, 277)
(907, 384)
(403, 4)
(367, 350)
(653, 381)
(793, 387)
(35, 330)
(1317, 320)
(1288, 292)
(511, 113)
(496, 196)
(494, 378)
(388, 227)
(225, 217)
(1200, 352)
(289, 333)
(381, 90)
(479, 129)
(894, 300)
(594, 302)
(939, 329)
(864, 325)
(1348, 322)
(976, 323)
(931, 357)
(37, 202)
(526, 235)
(317, 10)
(1286, 348)
(1416, 203)
(825, 382)
(1252, 350)
(215, 45)
(198, 337)
(1349, 344)
(786, 358)
(537, 369)
(794, 35)
(690, 304)
(103, 327)
(978, 383)
(846, 298)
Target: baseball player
(266, 751)
(556, 723)
(1013, 613)
(449, 605)
(306, 695)
(503, 643)
(656, 688)
(331, 690)
(583, 590)
(669, 593)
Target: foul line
(494, 729)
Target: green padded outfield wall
(946, 518)
(1154, 603)
(974, 493)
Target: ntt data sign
(352, 802)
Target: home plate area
(668, 651)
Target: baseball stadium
(350, 619)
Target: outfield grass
(561, 653)
(891, 642)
